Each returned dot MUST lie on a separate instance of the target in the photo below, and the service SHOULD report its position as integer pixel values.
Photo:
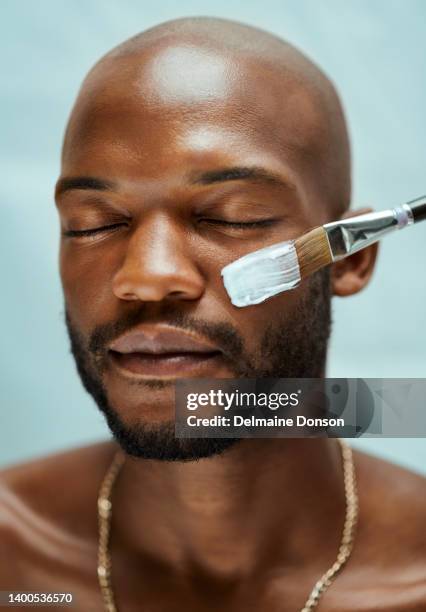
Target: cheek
(274, 313)
(86, 281)
(215, 304)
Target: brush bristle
(313, 251)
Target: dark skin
(182, 538)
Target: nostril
(176, 294)
(129, 296)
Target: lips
(158, 351)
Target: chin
(156, 441)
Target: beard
(294, 347)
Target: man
(190, 145)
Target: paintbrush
(255, 277)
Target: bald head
(226, 75)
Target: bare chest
(150, 591)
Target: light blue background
(375, 53)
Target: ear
(350, 275)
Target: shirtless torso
(48, 542)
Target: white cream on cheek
(255, 277)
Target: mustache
(222, 334)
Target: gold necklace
(345, 548)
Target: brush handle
(418, 208)
(351, 235)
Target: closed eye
(240, 224)
(92, 231)
(216, 222)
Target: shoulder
(392, 495)
(389, 556)
(45, 508)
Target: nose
(158, 265)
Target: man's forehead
(202, 84)
(177, 86)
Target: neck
(260, 504)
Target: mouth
(162, 352)
(162, 365)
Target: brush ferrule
(351, 235)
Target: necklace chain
(345, 548)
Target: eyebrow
(235, 173)
(238, 173)
(83, 182)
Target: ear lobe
(352, 274)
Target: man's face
(174, 165)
